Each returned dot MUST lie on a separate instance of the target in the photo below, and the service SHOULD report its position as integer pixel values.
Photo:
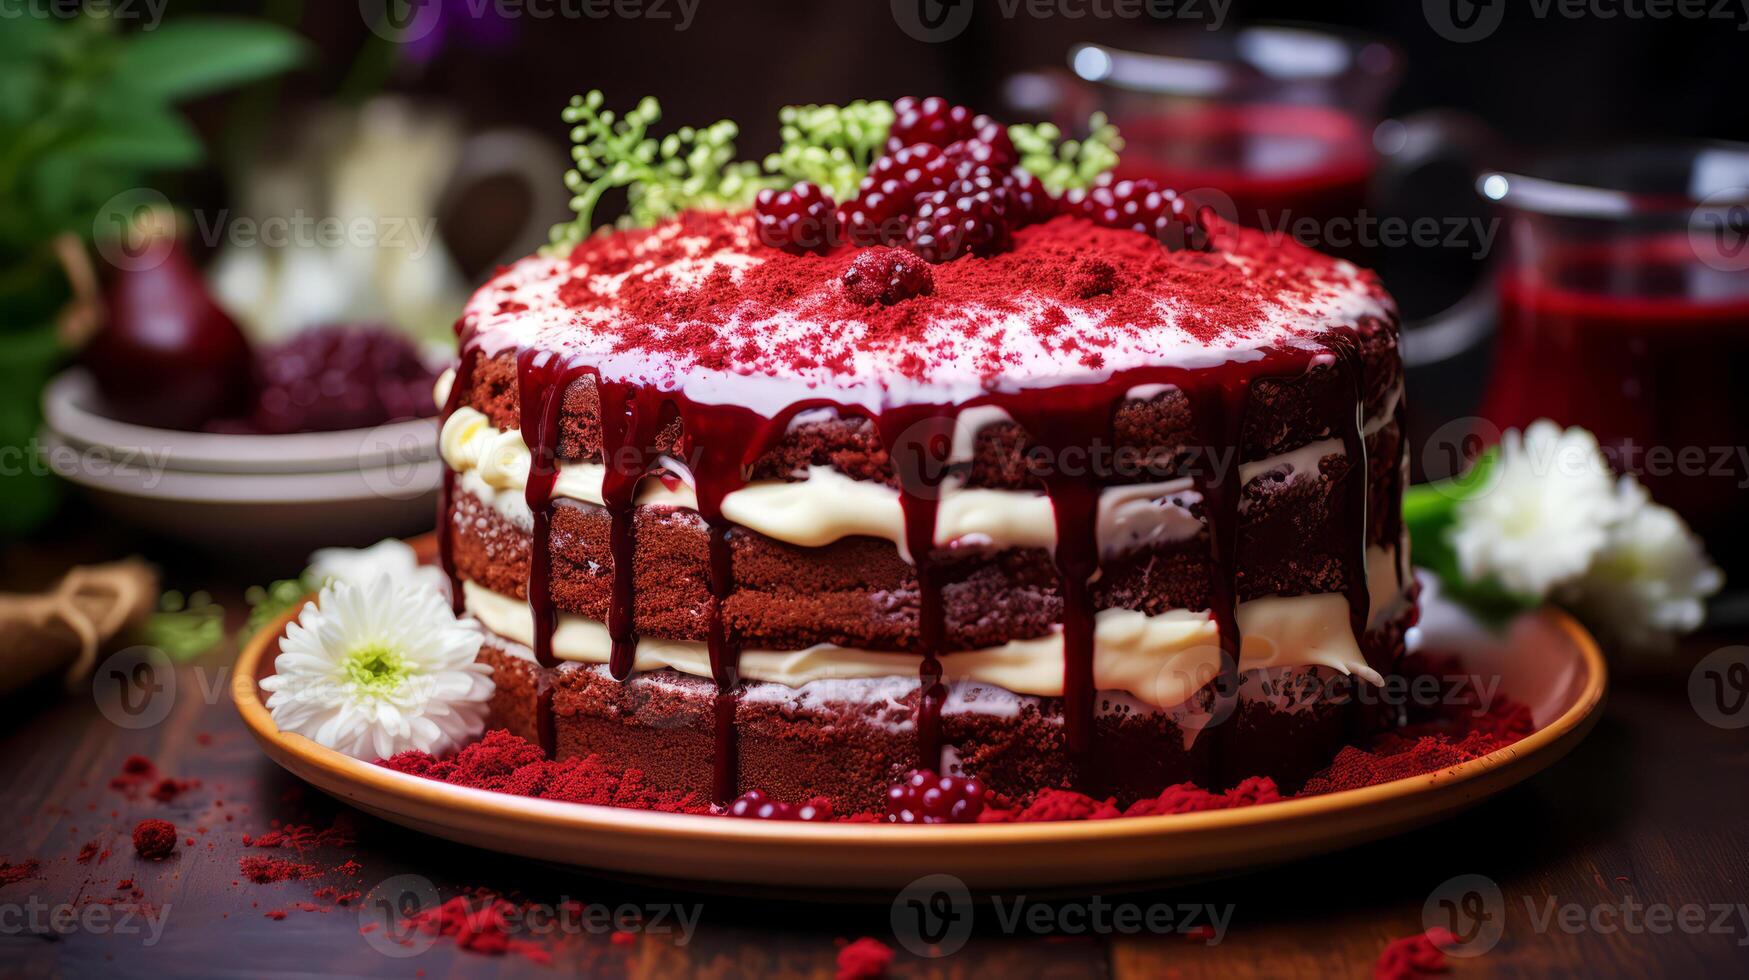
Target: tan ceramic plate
(1544, 659)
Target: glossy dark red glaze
(720, 442)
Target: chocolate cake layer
(859, 592)
(795, 746)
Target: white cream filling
(829, 505)
(1160, 660)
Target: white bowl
(70, 408)
(254, 517)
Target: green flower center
(376, 668)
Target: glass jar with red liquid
(1275, 122)
(1624, 308)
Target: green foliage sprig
(689, 168)
(696, 168)
(87, 111)
(1062, 165)
(831, 145)
(186, 626)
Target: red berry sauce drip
(722, 441)
(925, 797)
(1352, 516)
(631, 417)
(919, 440)
(459, 387)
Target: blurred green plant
(1063, 165)
(87, 113)
(185, 626)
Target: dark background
(1541, 83)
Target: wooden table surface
(1648, 813)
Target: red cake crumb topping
(700, 292)
(1414, 957)
(155, 839)
(865, 959)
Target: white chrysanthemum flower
(1543, 513)
(361, 566)
(372, 670)
(1651, 578)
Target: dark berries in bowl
(331, 378)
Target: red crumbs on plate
(503, 762)
(865, 959)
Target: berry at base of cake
(1086, 512)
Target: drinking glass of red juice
(1624, 308)
(1278, 121)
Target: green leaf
(196, 56)
(147, 137)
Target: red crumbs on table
(155, 839)
(865, 959)
(478, 928)
(1413, 957)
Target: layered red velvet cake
(1084, 510)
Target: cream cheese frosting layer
(828, 505)
(1160, 660)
